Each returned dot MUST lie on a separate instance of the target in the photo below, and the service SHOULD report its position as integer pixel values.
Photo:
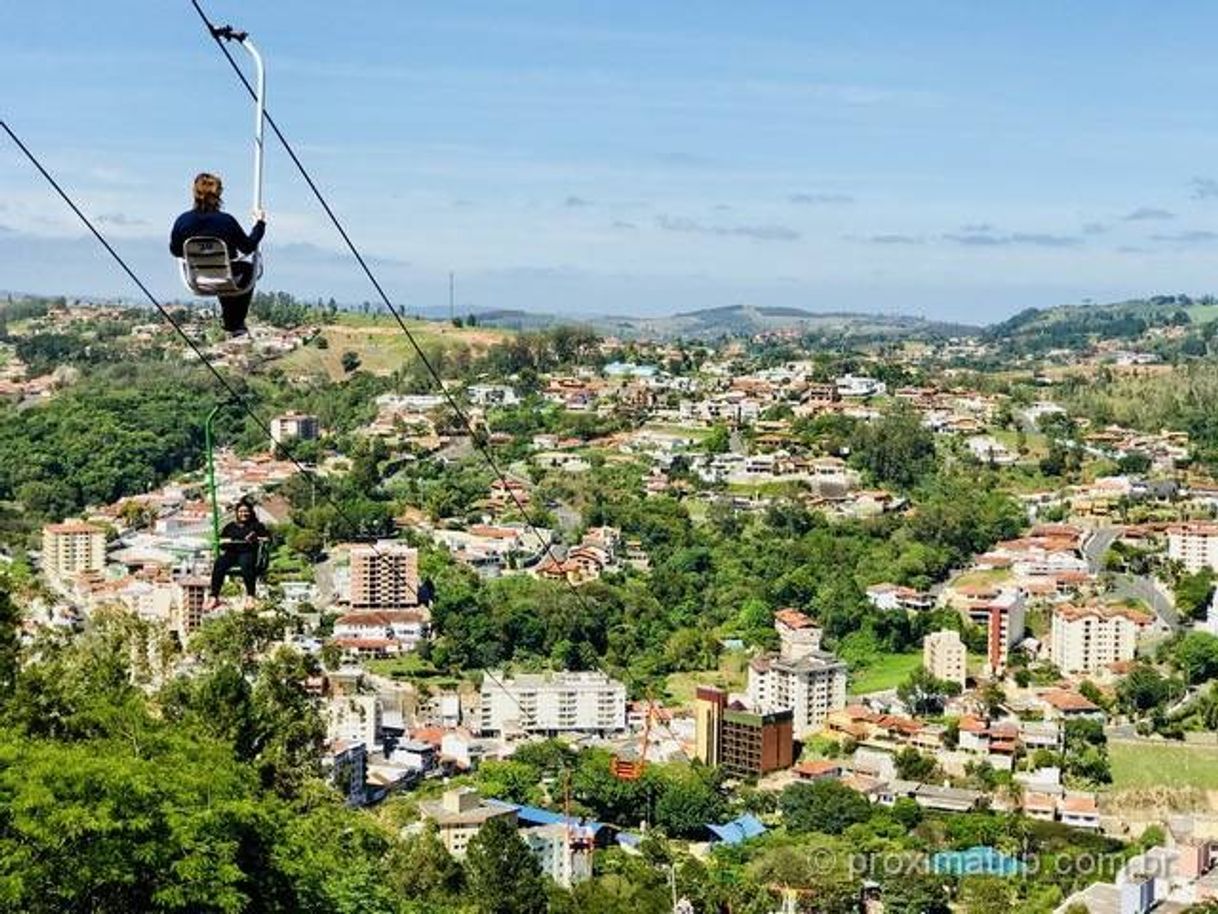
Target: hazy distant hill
(740, 320)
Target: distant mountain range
(738, 320)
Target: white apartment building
(810, 685)
(551, 847)
(1087, 638)
(1196, 545)
(294, 426)
(552, 703)
(71, 548)
(384, 576)
(945, 657)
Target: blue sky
(961, 160)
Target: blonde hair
(207, 191)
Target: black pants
(246, 561)
(234, 308)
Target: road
(1097, 545)
(1129, 586)
(1146, 589)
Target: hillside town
(1065, 635)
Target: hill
(741, 320)
(1076, 326)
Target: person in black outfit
(207, 220)
(239, 544)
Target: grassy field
(888, 671)
(1142, 764)
(730, 675)
(411, 668)
(381, 346)
(982, 577)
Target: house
(384, 632)
(1079, 810)
(1063, 704)
(890, 597)
(818, 770)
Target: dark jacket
(194, 224)
(238, 538)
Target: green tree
(925, 695)
(824, 806)
(503, 876)
(897, 449)
(913, 765)
(986, 895)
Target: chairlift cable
(483, 448)
(234, 395)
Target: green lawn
(411, 667)
(1169, 765)
(887, 672)
(982, 577)
(730, 675)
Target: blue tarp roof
(976, 861)
(738, 830)
(535, 815)
(628, 839)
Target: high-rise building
(1002, 615)
(709, 704)
(191, 595)
(1087, 638)
(1195, 545)
(810, 686)
(294, 426)
(459, 814)
(384, 576)
(802, 678)
(754, 743)
(552, 703)
(945, 657)
(797, 633)
(71, 548)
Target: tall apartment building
(755, 743)
(1088, 638)
(797, 634)
(192, 592)
(709, 705)
(71, 548)
(945, 657)
(1196, 545)
(802, 678)
(746, 743)
(294, 426)
(1003, 617)
(810, 686)
(552, 703)
(384, 577)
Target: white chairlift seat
(206, 269)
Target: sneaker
(238, 333)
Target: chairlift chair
(207, 270)
(206, 267)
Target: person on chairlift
(240, 543)
(206, 219)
